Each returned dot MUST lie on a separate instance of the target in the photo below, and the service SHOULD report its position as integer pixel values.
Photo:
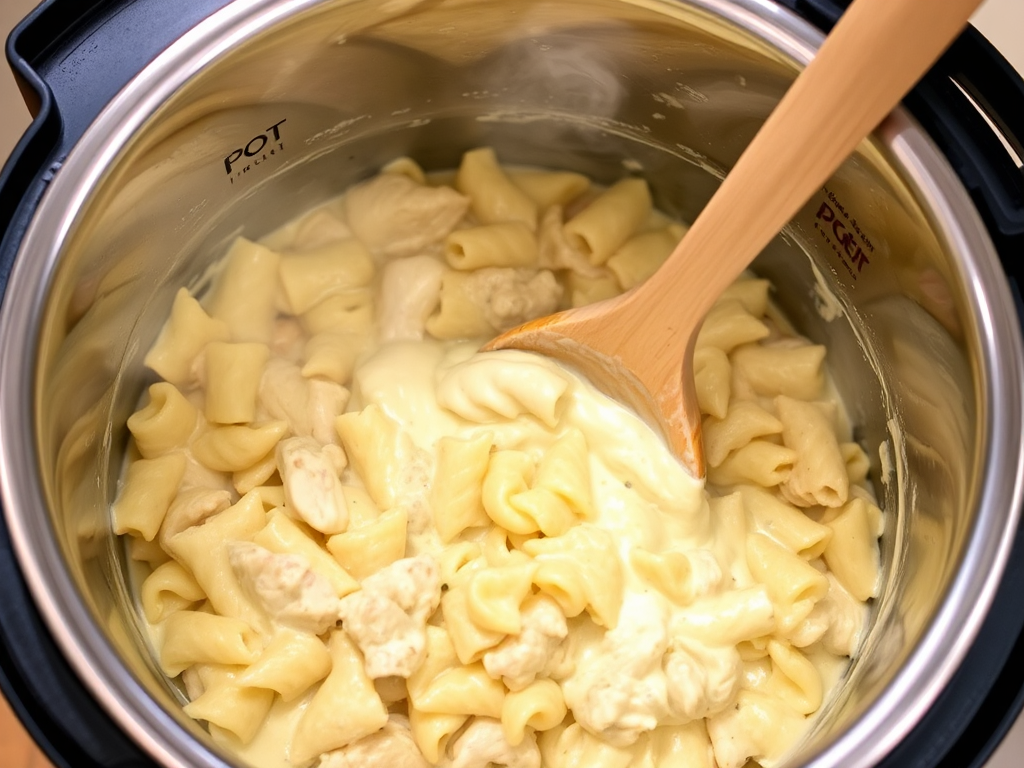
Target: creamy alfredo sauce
(683, 647)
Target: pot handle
(971, 103)
(69, 58)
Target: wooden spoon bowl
(638, 347)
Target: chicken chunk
(191, 507)
(387, 617)
(519, 658)
(287, 339)
(395, 216)
(312, 488)
(619, 692)
(413, 583)
(309, 405)
(393, 644)
(483, 744)
(325, 402)
(410, 292)
(285, 587)
(509, 297)
(413, 493)
(702, 681)
(390, 747)
(316, 229)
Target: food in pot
(365, 543)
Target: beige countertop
(1002, 21)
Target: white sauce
(634, 656)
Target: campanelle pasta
(364, 543)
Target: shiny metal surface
(890, 266)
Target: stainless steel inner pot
(272, 105)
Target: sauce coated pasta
(364, 543)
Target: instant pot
(163, 129)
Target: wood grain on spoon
(638, 347)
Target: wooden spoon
(638, 347)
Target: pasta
(185, 334)
(508, 244)
(228, 706)
(149, 489)
(168, 589)
(344, 709)
(358, 539)
(232, 381)
(195, 637)
(165, 423)
(458, 501)
(237, 447)
(540, 706)
(246, 295)
(819, 476)
(309, 277)
(549, 188)
(493, 196)
(290, 664)
(601, 228)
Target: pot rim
(865, 741)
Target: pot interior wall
(296, 114)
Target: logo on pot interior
(258, 150)
(844, 235)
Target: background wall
(1001, 21)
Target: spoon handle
(640, 344)
(874, 55)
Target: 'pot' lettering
(255, 146)
(849, 249)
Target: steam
(568, 72)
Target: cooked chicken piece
(483, 744)
(702, 681)
(410, 292)
(393, 644)
(387, 617)
(395, 216)
(413, 494)
(312, 488)
(326, 401)
(191, 507)
(620, 692)
(287, 339)
(414, 583)
(318, 228)
(285, 587)
(509, 297)
(390, 747)
(519, 658)
(308, 405)
(198, 475)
